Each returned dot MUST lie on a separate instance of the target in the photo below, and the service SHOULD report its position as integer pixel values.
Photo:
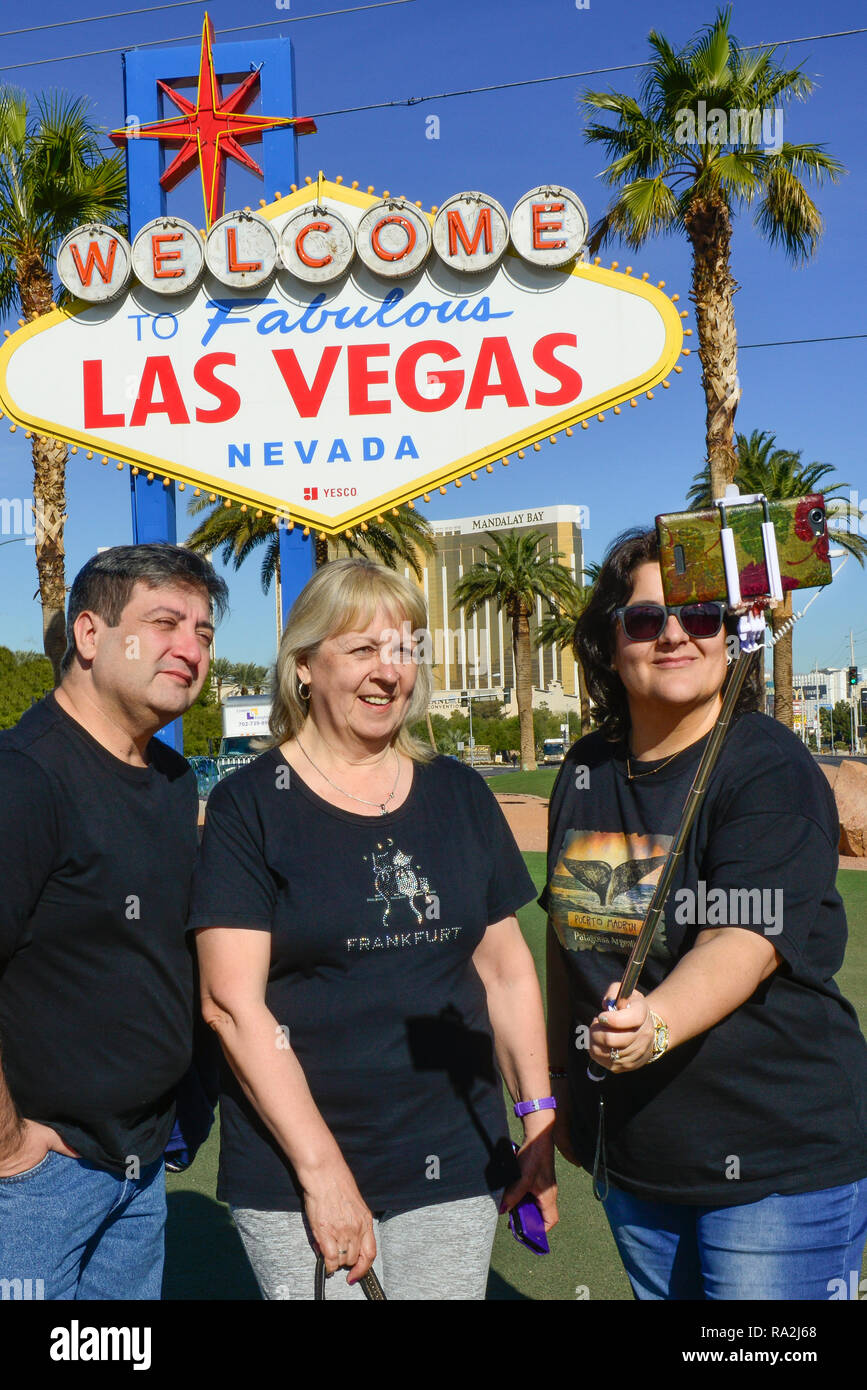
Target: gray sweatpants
(437, 1252)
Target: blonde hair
(342, 596)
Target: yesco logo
(311, 494)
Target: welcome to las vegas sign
(337, 354)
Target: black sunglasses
(644, 622)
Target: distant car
(553, 750)
(207, 775)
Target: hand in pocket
(34, 1142)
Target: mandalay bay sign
(336, 354)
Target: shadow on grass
(500, 1291)
(204, 1255)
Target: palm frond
(618, 103)
(642, 208)
(53, 176)
(699, 496)
(651, 145)
(270, 562)
(787, 215)
(518, 568)
(712, 52)
(406, 537)
(809, 161)
(736, 173)
(234, 535)
(769, 84)
(558, 627)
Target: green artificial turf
(538, 783)
(852, 979)
(204, 1257)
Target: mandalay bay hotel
(476, 653)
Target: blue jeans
(797, 1247)
(70, 1230)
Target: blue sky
(505, 142)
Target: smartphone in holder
(691, 549)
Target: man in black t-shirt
(97, 843)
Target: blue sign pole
(154, 504)
(297, 565)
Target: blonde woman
(361, 961)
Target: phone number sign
(336, 355)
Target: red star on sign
(212, 130)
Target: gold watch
(660, 1037)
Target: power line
(808, 38)
(91, 19)
(405, 101)
(184, 38)
(790, 342)
(793, 342)
(472, 91)
(557, 77)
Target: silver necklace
(383, 805)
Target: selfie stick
(635, 964)
(638, 956)
(750, 633)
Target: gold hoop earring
(305, 694)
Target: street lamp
(468, 696)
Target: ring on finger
(614, 1054)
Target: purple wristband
(526, 1107)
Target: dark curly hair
(595, 635)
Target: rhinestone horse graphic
(395, 880)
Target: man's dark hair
(595, 635)
(105, 584)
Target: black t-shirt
(373, 922)
(96, 983)
(774, 1097)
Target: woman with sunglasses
(733, 1157)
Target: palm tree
(513, 576)
(396, 537)
(558, 629)
(251, 679)
(779, 474)
(237, 531)
(53, 177)
(222, 671)
(676, 170)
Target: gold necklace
(634, 776)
